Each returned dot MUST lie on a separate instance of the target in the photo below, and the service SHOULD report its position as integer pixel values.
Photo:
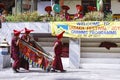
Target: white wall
(72, 4)
(7, 28)
(41, 6)
(115, 6)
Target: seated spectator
(65, 13)
(48, 9)
(79, 13)
(107, 10)
(2, 7)
(4, 14)
(91, 8)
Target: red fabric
(14, 49)
(78, 16)
(27, 31)
(91, 8)
(65, 50)
(45, 62)
(67, 16)
(24, 37)
(24, 63)
(60, 35)
(16, 32)
(57, 63)
(2, 5)
(65, 13)
(41, 60)
(20, 63)
(65, 7)
(79, 7)
(27, 52)
(48, 8)
(15, 55)
(16, 64)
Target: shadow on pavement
(31, 71)
(70, 79)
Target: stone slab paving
(71, 74)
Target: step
(100, 60)
(48, 49)
(50, 44)
(48, 39)
(65, 62)
(100, 49)
(94, 44)
(100, 39)
(99, 55)
(99, 66)
(52, 53)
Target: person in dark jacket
(107, 11)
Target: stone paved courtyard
(71, 74)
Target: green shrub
(109, 17)
(94, 16)
(26, 16)
(10, 18)
(35, 17)
(32, 17)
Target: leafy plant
(35, 17)
(26, 16)
(94, 16)
(109, 17)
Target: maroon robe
(78, 16)
(67, 16)
(24, 37)
(57, 63)
(15, 54)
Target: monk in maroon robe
(79, 13)
(65, 13)
(48, 9)
(57, 63)
(26, 38)
(15, 51)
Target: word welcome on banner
(87, 29)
